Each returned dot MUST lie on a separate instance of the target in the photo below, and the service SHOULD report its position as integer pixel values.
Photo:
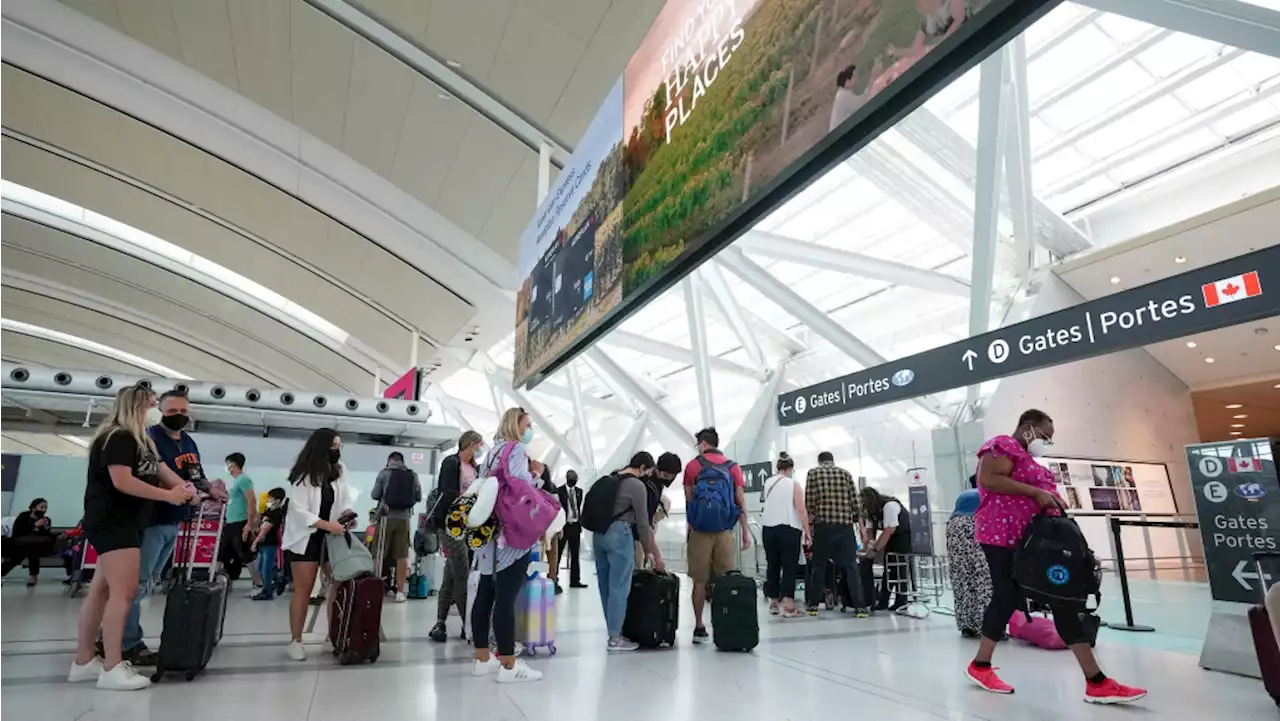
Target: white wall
(1123, 406)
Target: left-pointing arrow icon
(785, 408)
(968, 357)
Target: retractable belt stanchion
(1116, 525)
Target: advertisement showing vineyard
(719, 99)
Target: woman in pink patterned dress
(1013, 489)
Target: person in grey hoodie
(397, 490)
(615, 549)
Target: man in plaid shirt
(831, 499)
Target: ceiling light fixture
(1115, 280)
(1277, 346)
(453, 63)
(1237, 425)
(1233, 406)
(1191, 344)
(1242, 415)
(1236, 433)
(1208, 360)
(1180, 259)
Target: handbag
(348, 559)
(525, 511)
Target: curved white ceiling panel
(43, 252)
(93, 346)
(70, 49)
(23, 348)
(202, 362)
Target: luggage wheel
(553, 649)
(190, 675)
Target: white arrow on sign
(785, 408)
(1240, 575)
(968, 357)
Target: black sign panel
(921, 520)
(1216, 296)
(9, 470)
(755, 474)
(1238, 505)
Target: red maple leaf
(1230, 289)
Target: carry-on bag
(355, 617)
(734, 623)
(419, 582)
(193, 616)
(1264, 634)
(653, 609)
(536, 615)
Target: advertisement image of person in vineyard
(571, 254)
(724, 95)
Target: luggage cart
(82, 574)
(919, 578)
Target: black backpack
(1054, 566)
(398, 494)
(597, 507)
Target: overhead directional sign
(1238, 505)
(1234, 291)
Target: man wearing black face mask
(571, 502)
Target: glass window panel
(1175, 53)
(1133, 128)
(1166, 156)
(1211, 88)
(1121, 28)
(1257, 115)
(1106, 92)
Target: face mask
(154, 416)
(527, 438)
(175, 422)
(571, 481)
(1039, 447)
(335, 455)
(37, 514)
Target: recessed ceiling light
(1277, 346)
(444, 96)
(1233, 406)
(458, 64)
(1208, 360)
(1237, 425)
(1115, 280)
(1236, 433)
(1276, 385)
(1191, 344)
(1241, 416)
(1180, 259)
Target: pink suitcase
(536, 615)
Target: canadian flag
(1229, 290)
(1244, 464)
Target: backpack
(398, 494)
(525, 511)
(713, 509)
(1054, 566)
(457, 527)
(596, 514)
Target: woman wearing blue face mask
(502, 568)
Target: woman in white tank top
(786, 528)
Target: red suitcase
(355, 620)
(1264, 636)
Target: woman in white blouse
(317, 500)
(786, 529)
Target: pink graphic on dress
(1002, 518)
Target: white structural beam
(780, 247)
(749, 442)
(581, 422)
(925, 198)
(991, 130)
(1017, 154)
(662, 349)
(784, 342)
(698, 340)
(544, 425)
(716, 288)
(630, 443)
(819, 322)
(667, 424)
(453, 82)
(619, 395)
(1144, 42)
(1231, 22)
(555, 390)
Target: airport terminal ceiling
(215, 191)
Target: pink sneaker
(1110, 691)
(987, 679)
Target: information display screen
(727, 108)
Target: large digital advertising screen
(726, 108)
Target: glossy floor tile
(810, 669)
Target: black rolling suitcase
(193, 615)
(734, 623)
(653, 609)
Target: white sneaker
(122, 678)
(297, 651)
(622, 644)
(484, 668)
(400, 597)
(327, 647)
(88, 672)
(519, 673)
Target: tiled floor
(883, 668)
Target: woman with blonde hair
(502, 568)
(124, 477)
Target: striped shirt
(517, 468)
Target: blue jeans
(615, 553)
(157, 548)
(267, 568)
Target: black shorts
(106, 539)
(315, 547)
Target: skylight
(76, 341)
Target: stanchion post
(1128, 624)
